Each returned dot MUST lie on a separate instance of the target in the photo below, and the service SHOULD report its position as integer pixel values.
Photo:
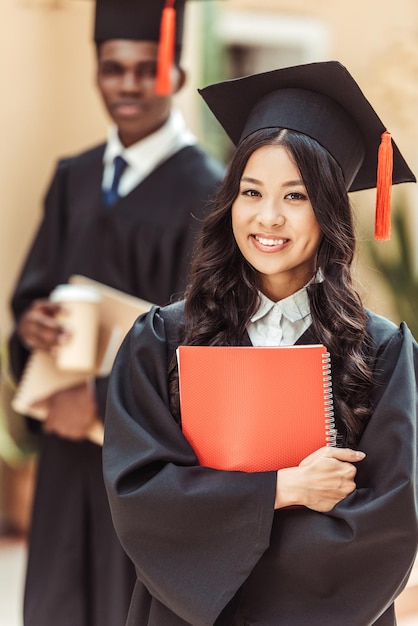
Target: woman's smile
(273, 244)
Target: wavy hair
(223, 292)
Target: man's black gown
(140, 246)
(207, 545)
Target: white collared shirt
(280, 323)
(145, 155)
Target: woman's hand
(321, 480)
(38, 327)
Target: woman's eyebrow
(249, 179)
(289, 183)
(294, 183)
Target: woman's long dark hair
(223, 292)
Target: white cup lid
(75, 293)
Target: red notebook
(255, 408)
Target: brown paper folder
(42, 378)
(255, 408)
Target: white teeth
(270, 242)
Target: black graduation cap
(323, 101)
(135, 19)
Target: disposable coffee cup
(81, 320)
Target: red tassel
(166, 46)
(384, 187)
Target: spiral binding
(330, 429)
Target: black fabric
(140, 246)
(326, 120)
(207, 542)
(134, 19)
(78, 546)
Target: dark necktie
(110, 196)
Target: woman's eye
(252, 193)
(295, 195)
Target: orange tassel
(166, 46)
(384, 187)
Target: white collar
(152, 150)
(295, 307)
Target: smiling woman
(331, 540)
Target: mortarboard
(323, 101)
(135, 19)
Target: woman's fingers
(321, 480)
(341, 454)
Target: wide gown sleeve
(193, 533)
(382, 514)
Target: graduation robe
(208, 546)
(140, 246)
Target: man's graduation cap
(145, 20)
(323, 101)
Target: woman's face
(274, 224)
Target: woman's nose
(271, 215)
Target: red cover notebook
(255, 408)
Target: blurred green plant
(17, 444)
(399, 270)
(213, 68)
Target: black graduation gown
(140, 246)
(203, 539)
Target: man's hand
(38, 328)
(71, 412)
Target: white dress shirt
(145, 155)
(280, 323)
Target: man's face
(126, 80)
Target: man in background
(124, 213)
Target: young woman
(328, 542)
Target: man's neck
(129, 139)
